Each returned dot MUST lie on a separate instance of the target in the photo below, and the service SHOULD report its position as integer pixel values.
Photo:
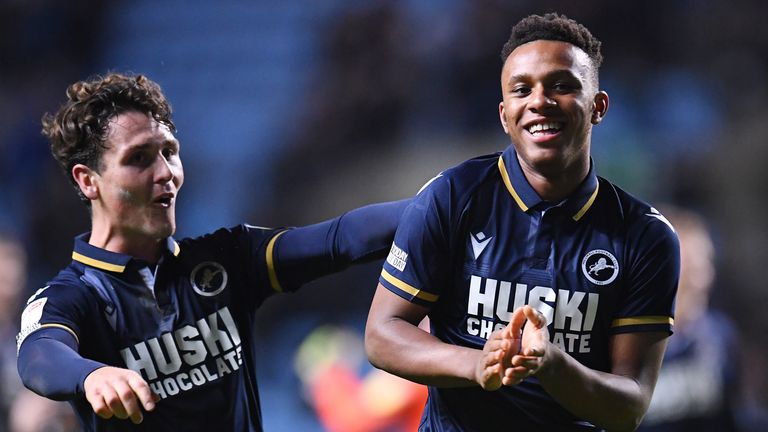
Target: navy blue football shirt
(478, 242)
(185, 324)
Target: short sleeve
(654, 271)
(417, 266)
(55, 306)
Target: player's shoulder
(465, 177)
(228, 239)
(639, 217)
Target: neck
(556, 184)
(111, 239)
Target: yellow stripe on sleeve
(96, 263)
(273, 281)
(61, 326)
(409, 289)
(508, 184)
(621, 322)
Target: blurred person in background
(346, 394)
(506, 249)
(698, 386)
(20, 409)
(140, 326)
(13, 265)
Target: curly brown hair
(78, 130)
(555, 27)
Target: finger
(535, 317)
(529, 364)
(114, 403)
(99, 405)
(129, 402)
(147, 398)
(490, 377)
(514, 376)
(495, 345)
(515, 326)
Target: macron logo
(479, 242)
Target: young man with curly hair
(549, 290)
(140, 326)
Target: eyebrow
(144, 145)
(525, 77)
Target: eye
(520, 90)
(138, 158)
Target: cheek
(126, 196)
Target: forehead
(545, 56)
(134, 128)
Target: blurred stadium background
(290, 112)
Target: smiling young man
(549, 290)
(140, 326)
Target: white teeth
(542, 127)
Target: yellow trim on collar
(176, 248)
(61, 326)
(588, 204)
(408, 288)
(621, 322)
(508, 184)
(273, 281)
(98, 264)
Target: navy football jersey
(185, 326)
(478, 242)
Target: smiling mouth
(543, 129)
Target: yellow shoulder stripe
(98, 264)
(273, 281)
(508, 184)
(408, 288)
(621, 322)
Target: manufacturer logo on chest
(208, 278)
(600, 267)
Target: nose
(540, 100)
(165, 171)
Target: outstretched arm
(50, 366)
(395, 344)
(616, 400)
(306, 253)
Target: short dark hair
(555, 27)
(78, 130)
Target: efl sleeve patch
(30, 320)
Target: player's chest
(543, 259)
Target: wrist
(550, 362)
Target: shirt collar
(578, 203)
(110, 261)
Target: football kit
(478, 242)
(186, 323)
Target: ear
(599, 107)
(86, 180)
(503, 117)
